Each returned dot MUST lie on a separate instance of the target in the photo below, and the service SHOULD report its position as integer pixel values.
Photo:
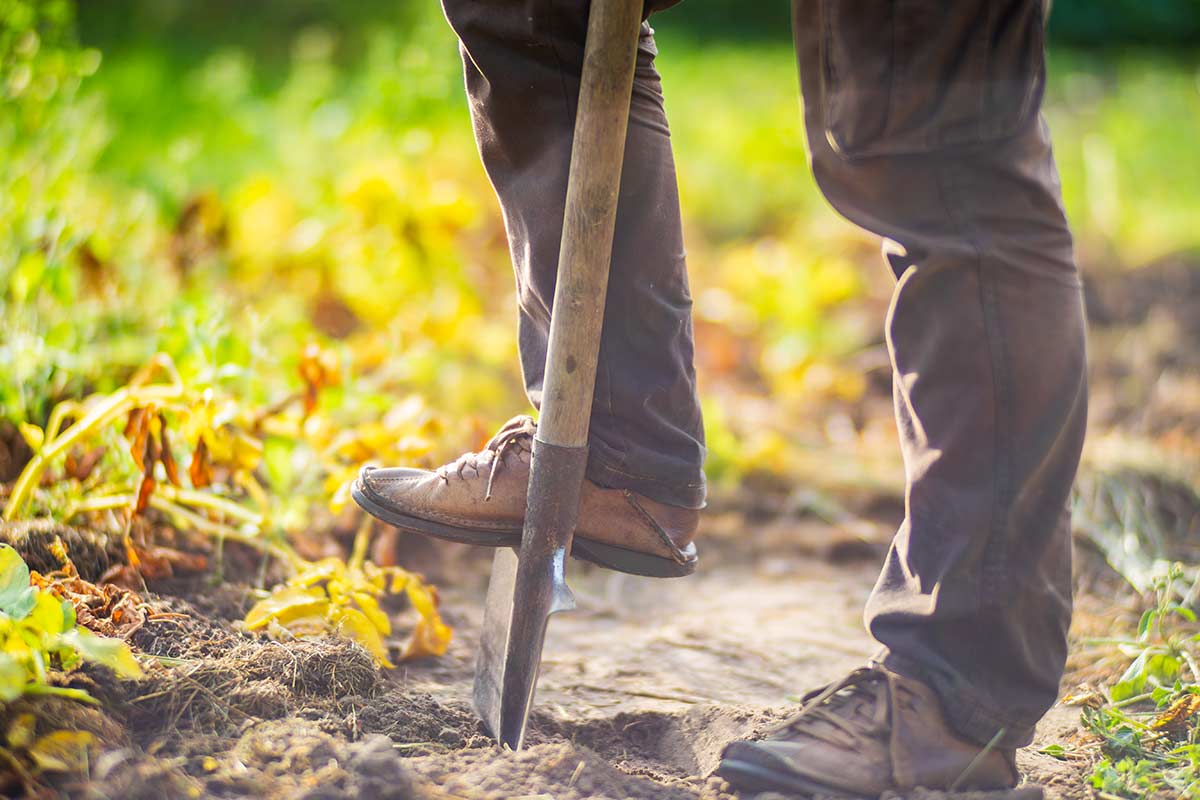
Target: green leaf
(112, 653)
(1133, 681)
(16, 595)
(1143, 628)
(1126, 689)
(1184, 612)
(1054, 750)
(1163, 669)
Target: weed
(1149, 729)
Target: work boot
(872, 732)
(479, 498)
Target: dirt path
(654, 677)
(642, 687)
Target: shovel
(529, 585)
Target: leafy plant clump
(331, 594)
(40, 635)
(135, 451)
(1149, 728)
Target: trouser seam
(994, 564)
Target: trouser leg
(923, 127)
(522, 62)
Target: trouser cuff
(686, 493)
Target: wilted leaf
(62, 751)
(1176, 716)
(59, 550)
(429, 638)
(326, 569)
(288, 603)
(234, 448)
(318, 369)
(370, 607)
(111, 653)
(79, 464)
(353, 624)
(137, 430)
(145, 489)
(167, 457)
(200, 470)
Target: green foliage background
(228, 181)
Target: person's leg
(522, 62)
(923, 126)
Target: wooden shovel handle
(597, 154)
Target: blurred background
(231, 183)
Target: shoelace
(511, 435)
(837, 704)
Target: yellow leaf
(61, 751)
(12, 676)
(338, 486)
(353, 624)
(429, 638)
(21, 731)
(112, 653)
(51, 615)
(370, 607)
(300, 627)
(423, 597)
(32, 434)
(287, 603)
(318, 571)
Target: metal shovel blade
(514, 629)
(526, 588)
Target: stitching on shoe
(429, 513)
(676, 553)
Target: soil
(642, 685)
(641, 688)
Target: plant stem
(1129, 701)
(106, 410)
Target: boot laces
(516, 435)
(846, 711)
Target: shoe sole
(608, 556)
(753, 779)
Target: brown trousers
(924, 128)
